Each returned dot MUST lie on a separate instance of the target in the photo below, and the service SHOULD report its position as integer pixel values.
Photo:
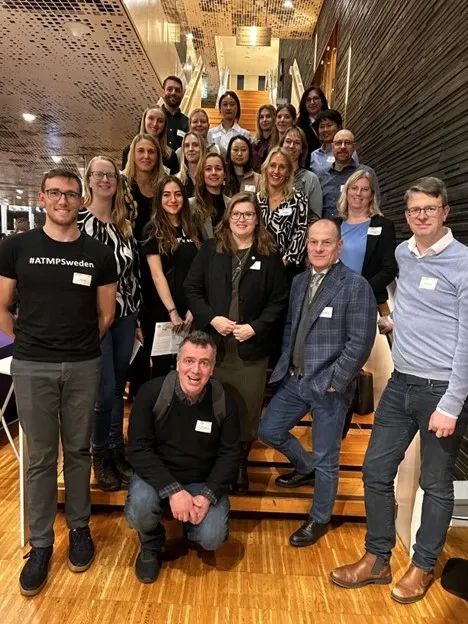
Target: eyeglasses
(314, 98)
(345, 143)
(100, 175)
(430, 211)
(56, 195)
(237, 216)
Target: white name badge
(216, 135)
(203, 426)
(256, 266)
(428, 283)
(326, 312)
(82, 279)
(331, 159)
(180, 133)
(167, 170)
(374, 231)
(250, 188)
(285, 212)
(341, 188)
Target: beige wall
(250, 82)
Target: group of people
(250, 271)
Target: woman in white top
(230, 109)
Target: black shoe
(309, 533)
(33, 576)
(241, 484)
(81, 549)
(295, 479)
(147, 566)
(122, 468)
(106, 479)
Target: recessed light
(189, 36)
(29, 117)
(56, 159)
(19, 191)
(288, 4)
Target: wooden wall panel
(408, 99)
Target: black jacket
(313, 141)
(380, 266)
(263, 295)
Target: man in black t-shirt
(177, 122)
(184, 445)
(66, 283)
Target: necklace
(240, 262)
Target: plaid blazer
(341, 330)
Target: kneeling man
(328, 336)
(184, 447)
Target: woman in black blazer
(313, 101)
(237, 291)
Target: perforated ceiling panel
(86, 92)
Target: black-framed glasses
(237, 216)
(430, 211)
(56, 195)
(100, 175)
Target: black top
(172, 450)
(263, 295)
(219, 206)
(313, 141)
(170, 163)
(57, 285)
(145, 205)
(260, 151)
(177, 127)
(380, 266)
(175, 267)
(190, 186)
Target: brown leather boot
(369, 569)
(413, 585)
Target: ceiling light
(19, 191)
(56, 159)
(288, 4)
(29, 117)
(189, 36)
(77, 29)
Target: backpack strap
(219, 400)
(164, 400)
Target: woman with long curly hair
(237, 291)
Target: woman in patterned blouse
(284, 210)
(105, 218)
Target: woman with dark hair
(313, 101)
(209, 202)
(261, 143)
(237, 291)
(230, 109)
(105, 218)
(285, 118)
(240, 175)
(284, 210)
(295, 143)
(143, 171)
(329, 123)
(170, 242)
(154, 122)
(193, 150)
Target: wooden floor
(255, 578)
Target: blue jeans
(404, 410)
(116, 351)
(144, 507)
(289, 405)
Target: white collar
(434, 249)
(235, 127)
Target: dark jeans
(289, 405)
(116, 350)
(55, 400)
(144, 507)
(403, 410)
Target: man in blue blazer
(328, 336)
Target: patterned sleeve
(295, 250)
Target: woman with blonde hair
(237, 291)
(193, 150)
(154, 122)
(284, 210)
(143, 171)
(262, 141)
(104, 217)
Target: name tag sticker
(256, 266)
(250, 188)
(216, 135)
(82, 279)
(285, 212)
(180, 133)
(341, 188)
(374, 231)
(203, 426)
(331, 159)
(428, 283)
(326, 312)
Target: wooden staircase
(250, 103)
(265, 464)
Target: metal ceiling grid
(86, 92)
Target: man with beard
(177, 122)
(67, 288)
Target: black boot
(107, 480)
(121, 466)
(241, 484)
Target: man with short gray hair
(427, 392)
(184, 445)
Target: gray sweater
(309, 184)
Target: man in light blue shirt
(427, 393)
